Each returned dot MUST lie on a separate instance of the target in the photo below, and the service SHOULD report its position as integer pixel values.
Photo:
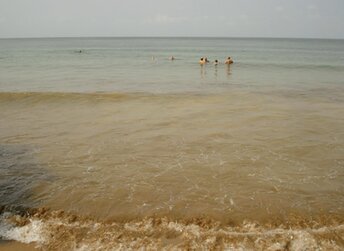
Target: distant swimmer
(216, 62)
(203, 61)
(229, 61)
(172, 58)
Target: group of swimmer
(203, 61)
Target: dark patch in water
(19, 173)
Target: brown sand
(15, 246)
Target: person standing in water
(203, 61)
(229, 61)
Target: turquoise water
(127, 64)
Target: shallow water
(240, 165)
(143, 65)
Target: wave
(58, 230)
(89, 97)
(63, 94)
(36, 97)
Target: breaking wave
(58, 230)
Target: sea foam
(57, 230)
(30, 232)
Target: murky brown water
(234, 157)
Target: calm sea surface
(141, 64)
(107, 144)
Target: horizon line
(202, 37)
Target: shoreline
(6, 245)
(59, 230)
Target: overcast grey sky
(225, 18)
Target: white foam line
(32, 232)
(36, 231)
(262, 232)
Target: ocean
(107, 144)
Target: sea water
(106, 143)
(143, 65)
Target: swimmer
(206, 60)
(216, 62)
(229, 61)
(172, 58)
(202, 61)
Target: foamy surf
(57, 230)
(31, 232)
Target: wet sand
(16, 246)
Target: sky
(190, 18)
